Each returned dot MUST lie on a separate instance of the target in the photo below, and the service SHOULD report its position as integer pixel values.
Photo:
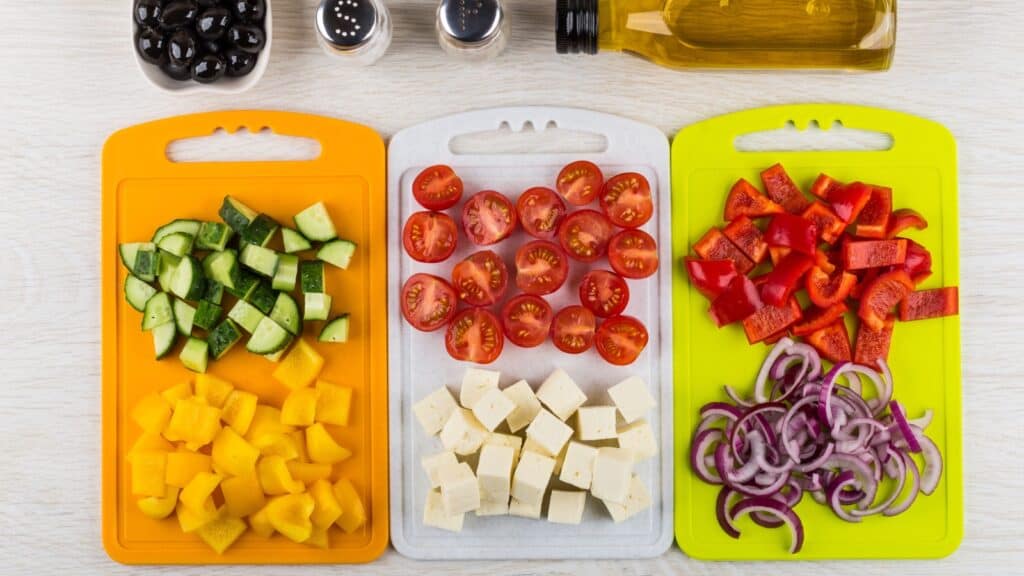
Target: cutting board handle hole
(241, 145)
(814, 138)
(529, 137)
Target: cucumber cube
(235, 214)
(195, 354)
(311, 276)
(335, 331)
(287, 272)
(318, 306)
(207, 315)
(213, 236)
(222, 338)
(158, 311)
(337, 252)
(294, 241)
(184, 316)
(259, 259)
(286, 313)
(177, 243)
(221, 267)
(263, 297)
(260, 231)
(214, 292)
(315, 223)
(168, 264)
(147, 262)
(245, 283)
(246, 315)
(188, 282)
(179, 225)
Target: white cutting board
(419, 364)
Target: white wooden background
(68, 79)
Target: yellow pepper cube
(318, 538)
(283, 445)
(353, 513)
(327, 509)
(266, 420)
(238, 410)
(299, 408)
(275, 478)
(300, 366)
(193, 422)
(333, 403)
(221, 533)
(152, 413)
(212, 389)
(300, 444)
(150, 442)
(308, 472)
(159, 508)
(232, 455)
(177, 392)
(148, 472)
(322, 447)
(260, 523)
(290, 514)
(243, 495)
(191, 520)
(183, 466)
(199, 490)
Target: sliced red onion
(904, 426)
(845, 479)
(777, 509)
(915, 487)
(722, 508)
(900, 474)
(704, 442)
(932, 471)
(924, 420)
(863, 472)
(760, 393)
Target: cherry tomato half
(580, 182)
(633, 254)
(541, 267)
(621, 339)
(474, 335)
(584, 235)
(480, 279)
(430, 236)
(626, 199)
(488, 218)
(437, 187)
(428, 302)
(572, 329)
(527, 320)
(540, 212)
(604, 293)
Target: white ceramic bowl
(223, 86)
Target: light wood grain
(68, 79)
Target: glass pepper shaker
(356, 30)
(472, 29)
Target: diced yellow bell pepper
(266, 420)
(300, 444)
(232, 455)
(238, 410)
(148, 472)
(191, 520)
(308, 472)
(275, 478)
(214, 390)
(300, 366)
(290, 514)
(193, 422)
(150, 442)
(322, 447)
(181, 391)
(152, 413)
(199, 490)
(333, 403)
(159, 508)
(283, 445)
(327, 509)
(221, 533)
(353, 513)
(260, 523)
(318, 538)
(299, 408)
(183, 466)
(243, 495)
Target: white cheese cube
(463, 433)
(513, 442)
(434, 410)
(533, 446)
(578, 468)
(549, 432)
(613, 469)
(460, 491)
(526, 403)
(531, 477)
(492, 507)
(561, 395)
(434, 514)
(632, 399)
(566, 507)
(476, 383)
(560, 460)
(494, 472)
(638, 437)
(432, 465)
(595, 423)
(492, 408)
(532, 510)
(637, 500)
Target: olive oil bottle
(842, 34)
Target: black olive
(240, 63)
(176, 72)
(247, 38)
(179, 13)
(249, 10)
(151, 46)
(208, 68)
(182, 46)
(212, 23)
(147, 12)
(204, 4)
(211, 47)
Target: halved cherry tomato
(794, 232)
(715, 246)
(572, 329)
(580, 182)
(584, 234)
(746, 200)
(819, 318)
(784, 279)
(710, 277)
(873, 220)
(480, 279)
(824, 185)
(769, 321)
(527, 320)
(828, 224)
(747, 237)
(861, 254)
(474, 335)
(848, 201)
(626, 199)
(488, 218)
(930, 304)
(605, 293)
(428, 302)
(783, 191)
(541, 267)
(738, 301)
(429, 236)
(904, 219)
(621, 339)
(873, 345)
(832, 342)
(540, 212)
(881, 295)
(437, 188)
(633, 254)
(825, 290)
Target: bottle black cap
(576, 28)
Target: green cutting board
(925, 356)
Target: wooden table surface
(68, 79)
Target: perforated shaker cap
(470, 23)
(347, 25)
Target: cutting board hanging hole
(529, 137)
(243, 145)
(814, 136)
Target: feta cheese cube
(632, 398)
(638, 437)
(613, 469)
(460, 491)
(494, 472)
(526, 403)
(578, 468)
(476, 383)
(561, 395)
(517, 508)
(566, 507)
(531, 477)
(637, 500)
(463, 433)
(493, 507)
(432, 465)
(513, 442)
(533, 446)
(549, 432)
(595, 422)
(434, 514)
(434, 410)
(492, 408)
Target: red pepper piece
(738, 301)
(746, 200)
(774, 338)
(783, 191)
(793, 232)
(873, 345)
(777, 253)
(873, 221)
(864, 279)
(904, 219)
(874, 253)
(829, 225)
(824, 185)
(784, 279)
(820, 318)
(848, 201)
(824, 261)
(881, 295)
(825, 290)
(918, 263)
(715, 246)
(930, 304)
(771, 320)
(747, 237)
(710, 277)
(832, 342)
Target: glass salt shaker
(472, 29)
(356, 30)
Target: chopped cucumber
(213, 236)
(287, 272)
(188, 282)
(276, 356)
(158, 311)
(184, 316)
(337, 252)
(221, 267)
(286, 313)
(311, 275)
(263, 297)
(129, 250)
(168, 264)
(245, 284)
(164, 337)
(269, 337)
(294, 241)
(318, 306)
(223, 337)
(195, 354)
(137, 292)
(207, 315)
(214, 292)
(180, 225)
(260, 259)
(147, 264)
(246, 315)
(260, 231)
(336, 330)
(177, 243)
(235, 214)
(315, 223)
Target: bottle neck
(577, 26)
(586, 26)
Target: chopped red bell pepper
(873, 345)
(881, 295)
(774, 338)
(777, 253)
(771, 320)
(819, 318)
(747, 237)
(904, 219)
(715, 246)
(829, 225)
(783, 191)
(824, 186)
(918, 263)
(861, 254)
(825, 290)
(739, 300)
(746, 200)
(864, 279)
(793, 232)
(824, 261)
(930, 304)
(785, 278)
(832, 342)
(848, 201)
(873, 221)
(710, 277)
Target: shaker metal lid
(470, 21)
(346, 24)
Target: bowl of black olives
(196, 45)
